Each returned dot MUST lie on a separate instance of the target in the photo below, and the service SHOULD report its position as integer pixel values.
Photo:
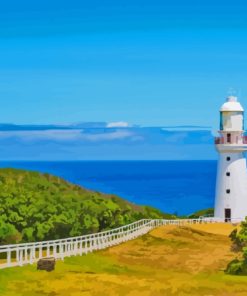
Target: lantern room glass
(222, 119)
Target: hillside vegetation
(168, 261)
(35, 206)
(202, 213)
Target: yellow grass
(169, 260)
(218, 228)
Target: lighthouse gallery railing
(222, 140)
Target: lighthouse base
(231, 187)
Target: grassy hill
(167, 261)
(202, 213)
(35, 206)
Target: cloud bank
(65, 135)
(118, 124)
(113, 141)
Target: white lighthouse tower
(231, 184)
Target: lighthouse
(231, 183)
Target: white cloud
(118, 124)
(107, 136)
(42, 135)
(65, 135)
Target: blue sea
(180, 187)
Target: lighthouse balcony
(233, 141)
(238, 144)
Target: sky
(151, 63)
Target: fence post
(48, 250)
(17, 255)
(40, 251)
(9, 257)
(61, 254)
(21, 257)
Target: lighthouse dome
(231, 104)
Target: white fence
(28, 253)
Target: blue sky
(151, 63)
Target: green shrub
(8, 233)
(235, 267)
(239, 244)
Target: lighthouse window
(228, 158)
(228, 138)
(228, 191)
(228, 174)
(221, 121)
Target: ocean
(180, 187)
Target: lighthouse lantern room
(231, 183)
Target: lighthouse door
(227, 215)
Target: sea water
(180, 187)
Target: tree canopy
(36, 206)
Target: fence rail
(29, 253)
